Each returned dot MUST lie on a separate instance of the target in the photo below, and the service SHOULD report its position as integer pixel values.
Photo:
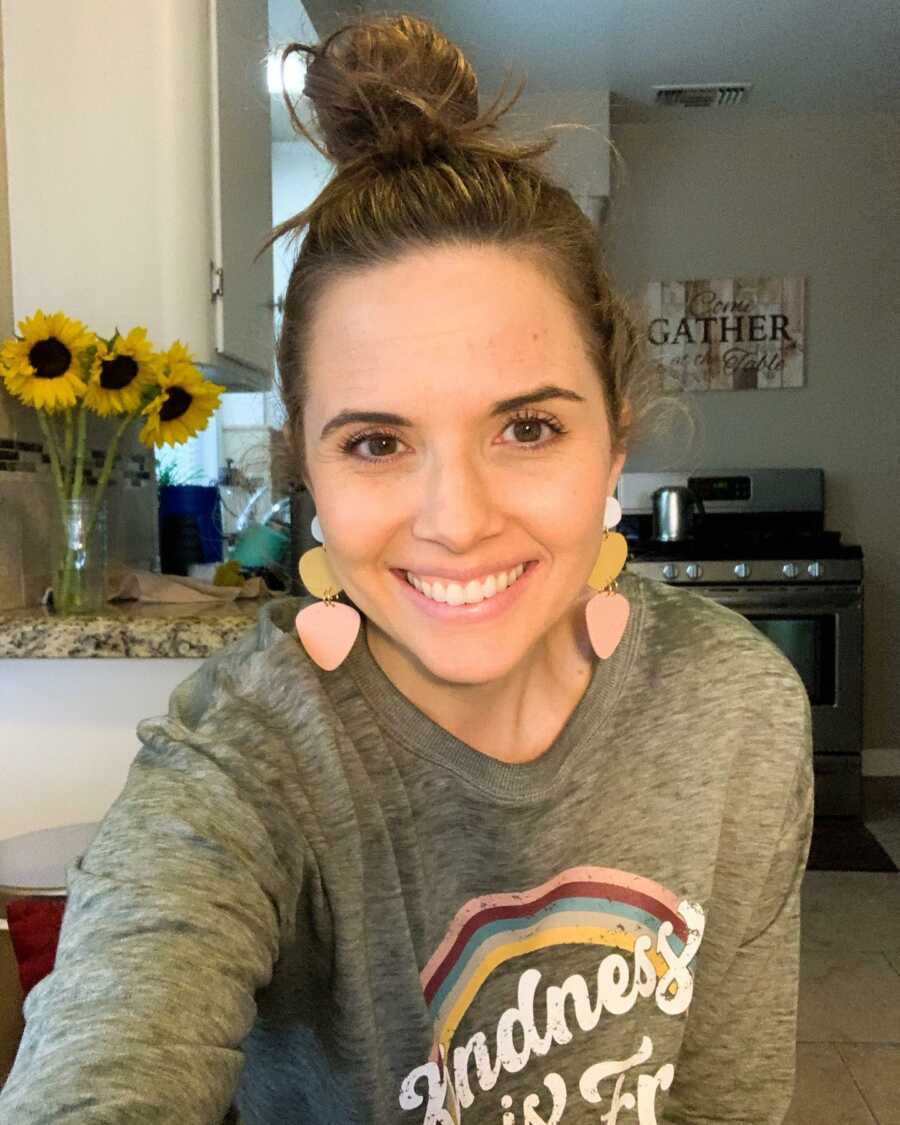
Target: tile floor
(848, 1028)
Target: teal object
(261, 546)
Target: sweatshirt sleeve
(173, 921)
(738, 1058)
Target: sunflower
(43, 368)
(120, 373)
(184, 404)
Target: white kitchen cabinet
(139, 163)
(243, 305)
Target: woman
(494, 837)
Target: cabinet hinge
(216, 281)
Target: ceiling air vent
(702, 96)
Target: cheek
(560, 506)
(567, 513)
(354, 525)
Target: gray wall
(710, 195)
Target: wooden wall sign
(743, 333)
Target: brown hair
(396, 104)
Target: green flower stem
(67, 449)
(55, 466)
(108, 465)
(75, 494)
(81, 441)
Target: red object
(34, 925)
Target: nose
(458, 505)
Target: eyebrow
(504, 406)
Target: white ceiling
(802, 56)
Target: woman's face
(454, 485)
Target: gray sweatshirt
(310, 903)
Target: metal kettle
(672, 506)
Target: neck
(512, 719)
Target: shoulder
(264, 671)
(683, 626)
(711, 683)
(700, 663)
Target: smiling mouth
(473, 592)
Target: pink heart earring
(327, 629)
(607, 612)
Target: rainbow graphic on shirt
(599, 906)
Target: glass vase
(79, 558)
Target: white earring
(613, 513)
(316, 528)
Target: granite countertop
(128, 628)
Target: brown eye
(379, 444)
(382, 444)
(375, 440)
(527, 429)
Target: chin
(463, 662)
(461, 670)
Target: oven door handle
(813, 599)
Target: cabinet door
(241, 132)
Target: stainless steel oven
(761, 550)
(820, 630)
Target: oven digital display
(720, 488)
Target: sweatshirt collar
(506, 781)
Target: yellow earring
(607, 612)
(327, 629)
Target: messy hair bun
(390, 88)
(396, 91)
(396, 106)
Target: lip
(484, 610)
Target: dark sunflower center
(117, 373)
(50, 358)
(175, 405)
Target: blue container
(201, 502)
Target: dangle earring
(327, 629)
(607, 612)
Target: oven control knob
(670, 570)
(694, 570)
(742, 570)
(815, 570)
(790, 570)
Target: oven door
(820, 630)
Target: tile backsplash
(31, 457)
(28, 502)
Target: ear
(618, 461)
(288, 438)
(615, 471)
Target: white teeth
(454, 593)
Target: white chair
(36, 861)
